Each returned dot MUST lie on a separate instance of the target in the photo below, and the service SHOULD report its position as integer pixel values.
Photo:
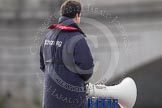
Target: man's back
(64, 84)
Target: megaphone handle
(89, 102)
(115, 103)
(103, 103)
(109, 103)
(96, 103)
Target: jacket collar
(66, 22)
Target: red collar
(68, 28)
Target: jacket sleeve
(42, 65)
(83, 58)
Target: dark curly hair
(70, 8)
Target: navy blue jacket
(67, 63)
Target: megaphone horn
(125, 92)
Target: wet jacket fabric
(67, 63)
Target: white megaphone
(125, 92)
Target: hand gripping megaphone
(125, 92)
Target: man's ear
(77, 15)
(77, 18)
